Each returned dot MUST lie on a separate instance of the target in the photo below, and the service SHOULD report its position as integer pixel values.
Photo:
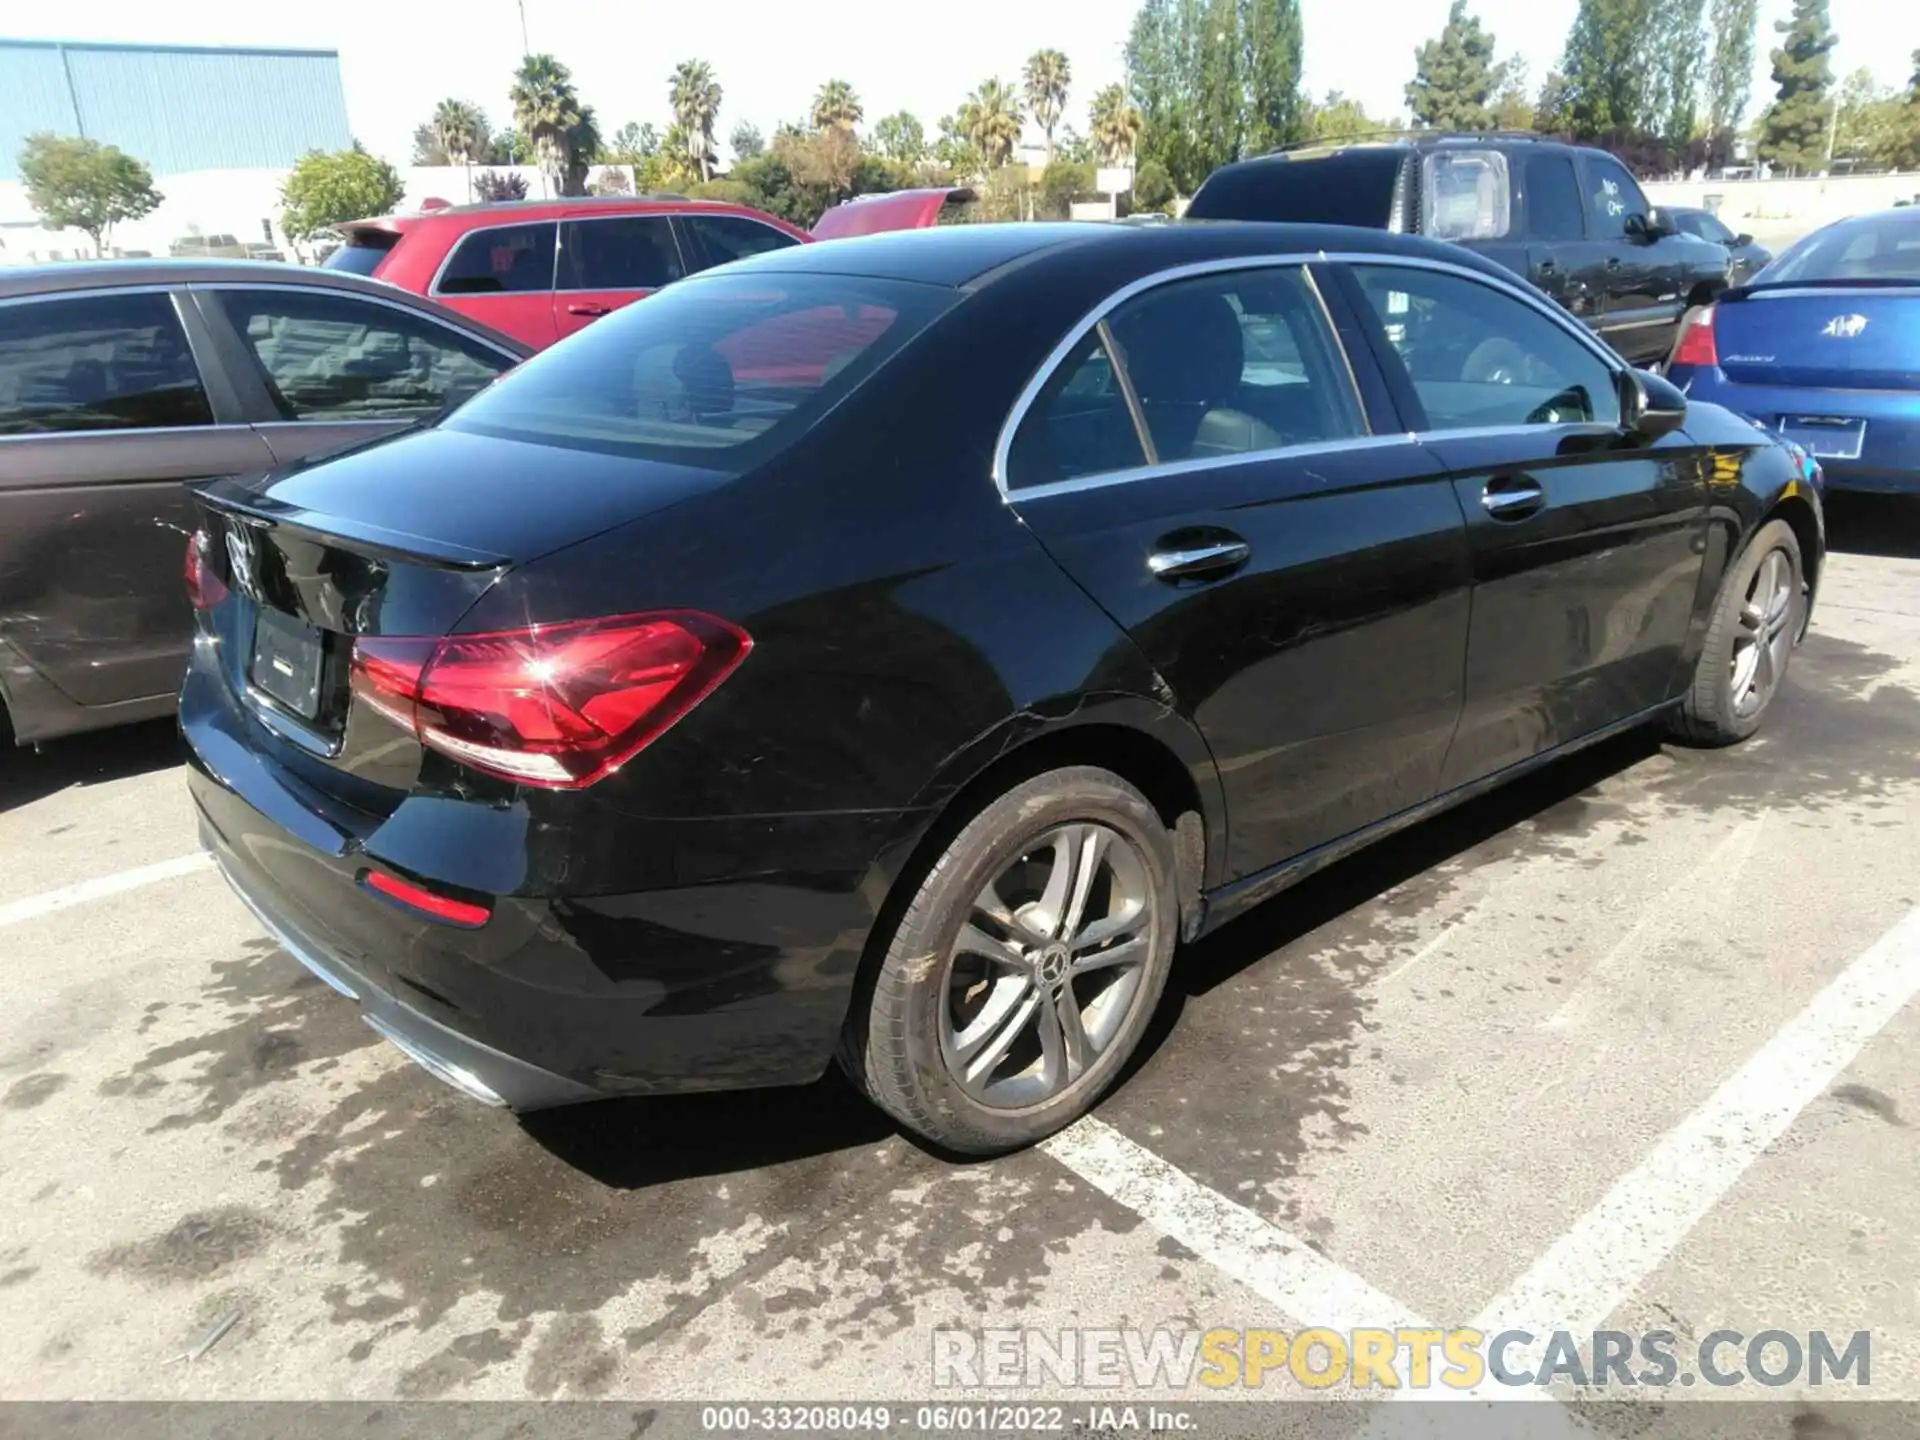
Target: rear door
(1200, 463)
(1562, 258)
(609, 261)
(105, 414)
(503, 276)
(1586, 544)
(1643, 286)
(326, 369)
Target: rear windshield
(1354, 187)
(362, 251)
(720, 371)
(1875, 247)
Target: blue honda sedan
(1823, 346)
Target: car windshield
(719, 372)
(1873, 247)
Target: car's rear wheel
(1750, 639)
(1025, 968)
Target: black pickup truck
(1570, 219)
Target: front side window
(506, 260)
(1477, 356)
(1463, 195)
(1710, 228)
(1612, 195)
(1553, 199)
(733, 237)
(1222, 365)
(97, 362)
(622, 252)
(721, 372)
(334, 357)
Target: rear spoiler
(1862, 282)
(235, 497)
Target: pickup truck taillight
(1695, 346)
(558, 706)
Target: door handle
(588, 310)
(1613, 262)
(1199, 562)
(1512, 497)
(1549, 267)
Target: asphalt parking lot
(1622, 1047)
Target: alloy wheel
(1761, 643)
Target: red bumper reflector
(435, 907)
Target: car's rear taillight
(1695, 346)
(204, 588)
(553, 705)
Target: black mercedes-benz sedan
(894, 649)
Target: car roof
(972, 256)
(506, 212)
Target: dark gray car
(122, 382)
(1747, 256)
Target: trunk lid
(1838, 337)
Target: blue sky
(399, 57)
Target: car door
(105, 415)
(503, 276)
(1586, 542)
(324, 369)
(1643, 290)
(715, 239)
(607, 261)
(1563, 259)
(1199, 462)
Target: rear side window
(1352, 187)
(508, 259)
(1553, 199)
(361, 252)
(332, 357)
(97, 362)
(1464, 195)
(720, 238)
(720, 372)
(622, 252)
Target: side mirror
(1651, 406)
(1742, 240)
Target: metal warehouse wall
(175, 107)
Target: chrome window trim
(433, 286)
(665, 217)
(430, 315)
(132, 431)
(1003, 446)
(88, 291)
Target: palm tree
(462, 132)
(583, 148)
(1116, 125)
(1047, 75)
(546, 108)
(836, 105)
(991, 120)
(695, 97)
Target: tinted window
(1553, 199)
(623, 252)
(1221, 366)
(1875, 247)
(719, 372)
(1353, 187)
(97, 362)
(1478, 356)
(509, 259)
(1464, 195)
(732, 237)
(331, 357)
(362, 251)
(1708, 227)
(1612, 195)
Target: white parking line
(1610, 1251)
(49, 901)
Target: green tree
(1152, 187)
(1513, 107)
(746, 141)
(427, 149)
(546, 108)
(990, 119)
(1607, 67)
(955, 150)
(1047, 76)
(634, 142)
(1678, 47)
(1794, 129)
(1222, 110)
(1730, 70)
(1272, 44)
(582, 142)
(835, 105)
(84, 185)
(1163, 81)
(1114, 125)
(901, 137)
(462, 132)
(1454, 76)
(1340, 117)
(328, 189)
(695, 97)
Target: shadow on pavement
(27, 774)
(1874, 525)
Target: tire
(982, 937)
(1722, 706)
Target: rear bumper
(1889, 460)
